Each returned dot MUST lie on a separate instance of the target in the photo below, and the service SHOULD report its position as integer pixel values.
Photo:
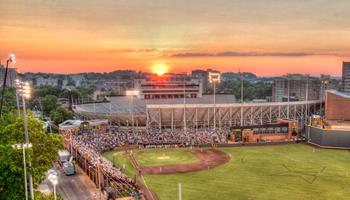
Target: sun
(160, 69)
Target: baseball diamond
(294, 171)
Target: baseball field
(295, 171)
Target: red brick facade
(249, 136)
(337, 107)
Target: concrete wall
(328, 138)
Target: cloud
(244, 54)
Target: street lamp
(52, 177)
(24, 91)
(214, 77)
(23, 147)
(11, 59)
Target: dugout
(283, 130)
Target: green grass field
(152, 157)
(266, 172)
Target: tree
(49, 103)
(258, 90)
(40, 196)
(42, 154)
(86, 93)
(60, 115)
(42, 91)
(9, 99)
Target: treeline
(44, 146)
(50, 102)
(252, 90)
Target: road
(76, 187)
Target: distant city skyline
(265, 37)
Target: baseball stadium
(194, 146)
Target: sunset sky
(266, 37)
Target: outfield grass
(266, 172)
(119, 160)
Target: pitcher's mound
(163, 158)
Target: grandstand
(119, 110)
(194, 112)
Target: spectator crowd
(93, 142)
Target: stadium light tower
(24, 91)
(214, 77)
(11, 59)
(23, 147)
(131, 94)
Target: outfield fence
(328, 138)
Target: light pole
(214, 77)
(323, 84)
(307, 98)
(288, 79)
(52, 176)
(11, 59)
(242, 97)
(184, 122)
(17, 99)
(24, 91)
(131, 94)
(23, 147)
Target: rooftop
(123, 104)
(342, 94)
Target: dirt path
(208, 159)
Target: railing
(122, 187)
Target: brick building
(168, 86)
(337, 106)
